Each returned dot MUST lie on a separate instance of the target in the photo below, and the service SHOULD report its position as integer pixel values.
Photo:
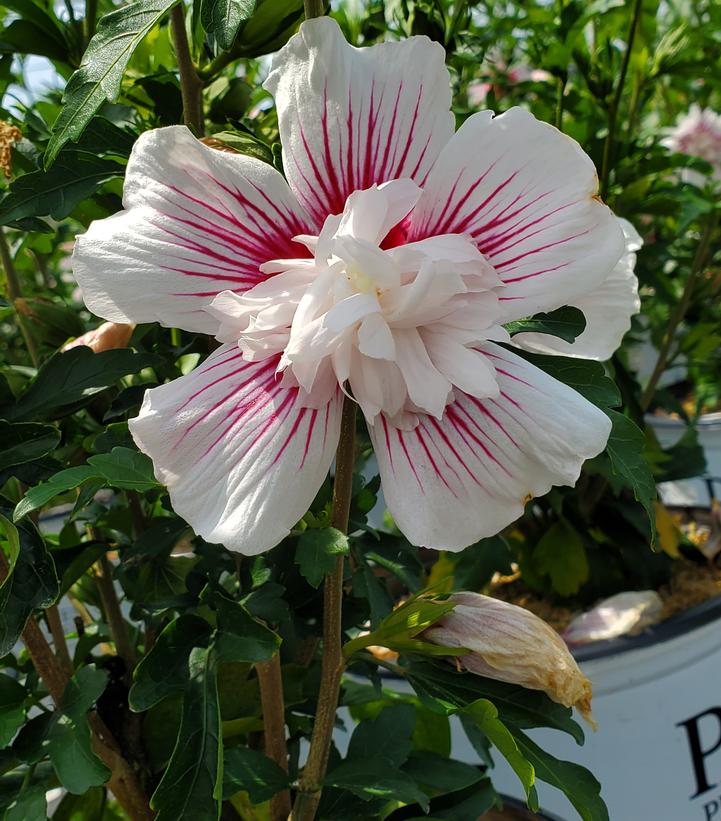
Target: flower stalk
(313, 8)
(309, 789)
(191, 86)
(270, 683)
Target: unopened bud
(509, 643)
(105, 337)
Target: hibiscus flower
(384, 268)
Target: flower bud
(509, 643)
(105, 337)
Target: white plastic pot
(657, 700)
(691, 492)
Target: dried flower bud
(105, 337)
(510, 644)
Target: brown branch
(310, 786)
(271, 697)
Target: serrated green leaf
(57, 484)
(100, 75)
(222, 18)
(30, 805)
(625, 449)
(439, 773)
(587, 377)
(317, 551)
(125, 468)
(55, 192)
(69, 380)
(578, 784)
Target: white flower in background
(386, 266)
(698, 134)
(509, 643)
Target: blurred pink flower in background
(698, 134)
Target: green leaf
(439, 773)
(164, 670)
(71, 753)
(12, 708)
(374, 778)
(25, 442)
(69, 380)
(57, 484)
(84, 807)
(517, 706)
(100, 75)
(75, 176)
(317, 551)
(566, 323)
(251, 771)
(561, 555)
(387, 736)
(222, 18)
(586, 377)
(125, 469)
(485, 715)
(31, 582)
(192, 784)
(399, 628)
(578, 784)
(30, 805)
(625, 449)
(246, 144)
(239, 636)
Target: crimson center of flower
(400, 325)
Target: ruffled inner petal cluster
(397, 324)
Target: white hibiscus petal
(351, 117)
(526, 194)
(450, 482)
(241, 457)
(608, 311)
(196, 222)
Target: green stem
(314, 8)
(309, 788)
(191, 86)
(114, 616)
(91, 14)
(560, 89)
(14, 292)
(616, 101)
(679, 312)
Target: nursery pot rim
(691, 619)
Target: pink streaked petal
(453, 481)
(242, 456)
(196, 222)
(526, 195)
(350, 117)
